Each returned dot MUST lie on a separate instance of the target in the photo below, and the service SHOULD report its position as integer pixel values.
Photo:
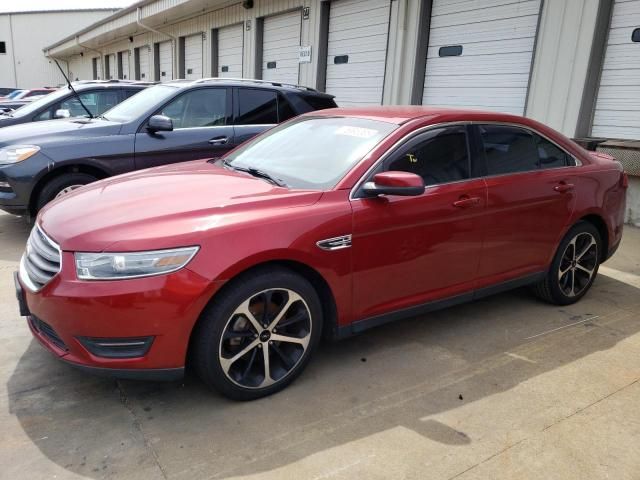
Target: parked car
(335, 222)
(24, 97)
(6, 92)
(97, 95)
(168, 123)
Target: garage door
(480, 54)
(193, 57)
(357, 50)
(123, 64)
(617, 112)
(143, 65)
(280, 48)
(166, 61)
(230, 51)
(111, 66)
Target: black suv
(97, 95)
(172, 122)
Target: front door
(412, 250)
(530, 200)
(201, 129)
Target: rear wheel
(62, 185)
(574, 267)
(258, 335)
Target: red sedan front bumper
(68, 313)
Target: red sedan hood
(163, 207)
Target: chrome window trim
(421, 130)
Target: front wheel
(574, 267)
(258, 335)
(62, 185)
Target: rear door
(530, 200)
(256, 110)
(202, 129)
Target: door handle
(219, 141)
(563, 187)
(466, 202)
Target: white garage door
(193, 57)
(617, 113)
(280, 48)
(111, 66)
(143, 67)
(480, 54)
(166, 61)
(357, 50)
(124, 56)
(230, 51)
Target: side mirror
(395, 183)
(62, 113)
(160, 123)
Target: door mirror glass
(62, 113)
(160, 123)
(395, 183)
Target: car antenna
(73, 89)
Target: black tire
(58, 184)
(245, 378)
(569, 287)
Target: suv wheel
(61, 185)
(258, 335)
(574, 267)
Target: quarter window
(550, 155)
(257, 107)
(438, 156)
(204, 107)
(508, 149)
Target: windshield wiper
(257, 173)
(73, 89)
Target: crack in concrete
(124, 399)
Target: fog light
(117, 347)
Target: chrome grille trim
(41, 261)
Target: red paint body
(405, 250)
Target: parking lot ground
(503, 388)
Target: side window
(46, 115)
(438, 156)
(129, 93)
(550, 156)
(508, 149)
(89, 99)
(205, 107)
(285, 110)
(257, 107)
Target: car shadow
(401, 374)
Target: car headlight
(17, 153)
(114, 266)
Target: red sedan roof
(403, 113)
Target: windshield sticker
(358, 132)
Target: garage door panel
(358, 32)
(456, 6)
(497, 39)
(497, 30)
(166, 62)
(193, 57)
(231, 51)
(519, 45)
(617, 109)
(516, 11)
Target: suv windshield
(34, 106)
(135, 106)
(311, 153)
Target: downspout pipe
(174, 40)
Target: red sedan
(329, 224)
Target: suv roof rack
(253, 80)
(113, 80)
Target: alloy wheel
(265, 338)
(578, 264)
(66, 190)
